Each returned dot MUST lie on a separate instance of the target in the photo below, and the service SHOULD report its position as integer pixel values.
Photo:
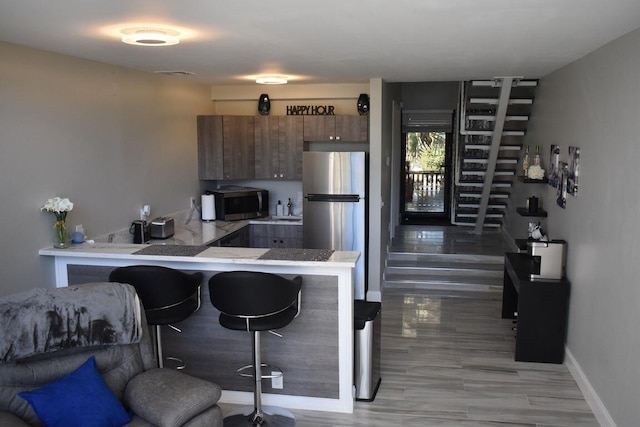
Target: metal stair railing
(496, 138)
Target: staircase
(493, 117)
(445, 258)
(444, 271)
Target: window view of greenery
(425, 151)
(424, 173)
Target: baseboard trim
(590, 395)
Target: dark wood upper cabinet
(210, 148)
(336, 128)
(352, 128)
(267, 147)
(319, 128)
(239, 147)
(226, 147)
(278, 146)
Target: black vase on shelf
(363, 104)
(264, 104)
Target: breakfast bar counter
(316, 350)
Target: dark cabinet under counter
(237, 239)
(541, 308)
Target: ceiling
(329, 41)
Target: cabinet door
(352, 128)
(267, 147)
(210, 147)
(319, 128)
(286, 236)
(259, 236)
(291, 144)
(239, 147)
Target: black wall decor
(363, 104)
(264, 104)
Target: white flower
(535, 172)
(57, 205)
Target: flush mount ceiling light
(272, 80)
(150, 37)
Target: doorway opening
(425, 184)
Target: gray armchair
(33, 357)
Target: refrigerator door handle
(344, 198)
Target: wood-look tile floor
(447, 361)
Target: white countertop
(214, 255)
(196, 233)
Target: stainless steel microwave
(234, 203)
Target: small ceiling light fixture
(150, 37)
(272, 80)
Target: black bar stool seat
(168, 296)
(256, 302)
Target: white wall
(109, 138)
(594, 103)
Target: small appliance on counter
(162, 227)
(140, 230)
(550, 259)
(234, 203)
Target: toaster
(162, 227)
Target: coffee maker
(549, 259)
(140, 230)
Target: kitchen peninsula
(316, 350)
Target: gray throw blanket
(45, 320)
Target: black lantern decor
(264, 104)
(363, 104)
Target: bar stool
(256, 302)
(168, 296)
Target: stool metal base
(174, 362)
(271, 416)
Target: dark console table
(542, 310)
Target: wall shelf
(541, 213)
(533, 181)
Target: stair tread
(398, 254)
(441, 273)
(482, 287)
(435, 262)
(489, 284)
(441, 279)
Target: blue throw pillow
(81, 398)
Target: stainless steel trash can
(366, 364)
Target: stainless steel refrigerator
(335, 206)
